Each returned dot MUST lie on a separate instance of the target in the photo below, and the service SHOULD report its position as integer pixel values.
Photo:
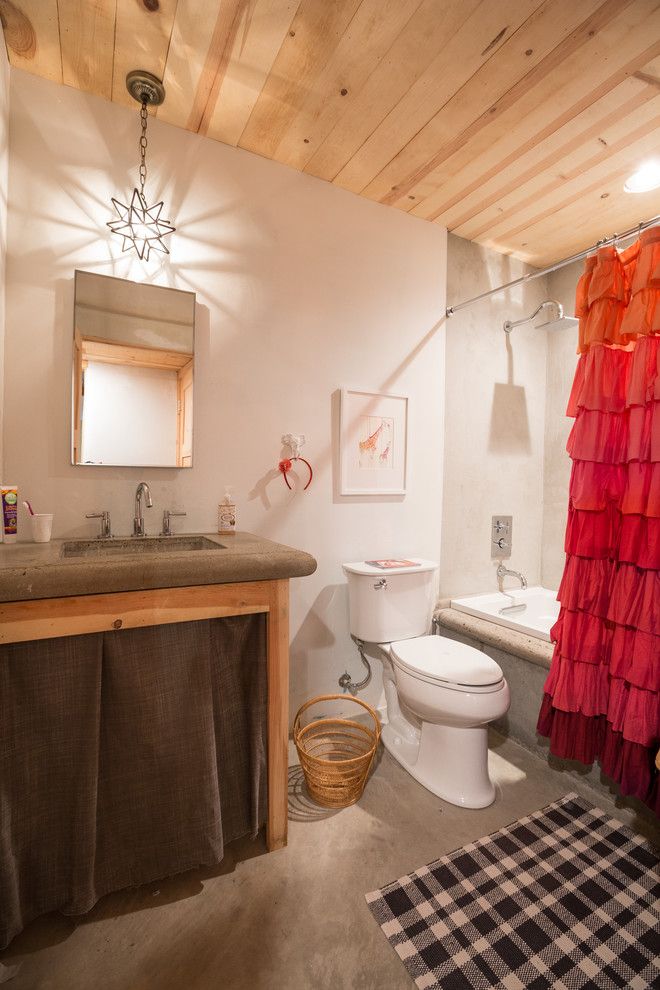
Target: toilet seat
(442, 661)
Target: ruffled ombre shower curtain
(602, 699)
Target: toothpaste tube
(9, 494)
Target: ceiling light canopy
(139, 225)
(646, 177)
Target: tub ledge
(537, 651)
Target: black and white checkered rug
(566, 898)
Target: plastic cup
(42, 524)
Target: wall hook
(294, 441)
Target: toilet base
(449, 761)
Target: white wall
(4, 161)
(302, 288)
(494, 420)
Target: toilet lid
(446, 660)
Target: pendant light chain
(141, 226)
(144, 116)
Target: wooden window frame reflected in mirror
(184, 414)
(102, 351)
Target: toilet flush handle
(382, 583)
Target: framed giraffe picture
(373, 434)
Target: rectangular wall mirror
(133, 354)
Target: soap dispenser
(227, 514)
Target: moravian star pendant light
(139, 225)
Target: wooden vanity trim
(47, 618)
(278, 715)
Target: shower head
(560, 322)
(556, 319)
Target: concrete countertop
(489, 633)
(38, 570)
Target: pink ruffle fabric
(602, 695)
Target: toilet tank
(385, 605)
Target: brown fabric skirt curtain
(126, 757)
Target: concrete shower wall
(561, 363)
(301, 287)
(505, 421)
(494, 420)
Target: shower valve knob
(501, 534)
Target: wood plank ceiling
(512, 122)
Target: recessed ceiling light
(646, 177)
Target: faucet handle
(167, 514)
(106, 529)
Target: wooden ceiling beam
(32, 36)
(525, 201)
(410, 58)
(142, 41)
(480, 39)
(561, 104)
(647, 77)
(370, 35)
(580, 133)
(194, 28)
(314, 35)
(553, 33)
(581, 225)
(225, 31)
(566, 191)
(87, 37)
(250, 62)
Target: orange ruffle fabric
(617, 296)
(602, 696)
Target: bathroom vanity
(63, 598)
(75, 587)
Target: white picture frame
(373, 441)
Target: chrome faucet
(503, 572)
(167, 526)
(138, 520)
(106, 526)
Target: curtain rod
(605, 242)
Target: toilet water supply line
(346, 681)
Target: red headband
(285, 466)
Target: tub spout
(503, 572)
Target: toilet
(440, 694)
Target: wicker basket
(336, 754)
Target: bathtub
(538, 617)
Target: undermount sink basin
(137, 546)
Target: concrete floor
(294, 919)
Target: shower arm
(605, 242)
(510, 324)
